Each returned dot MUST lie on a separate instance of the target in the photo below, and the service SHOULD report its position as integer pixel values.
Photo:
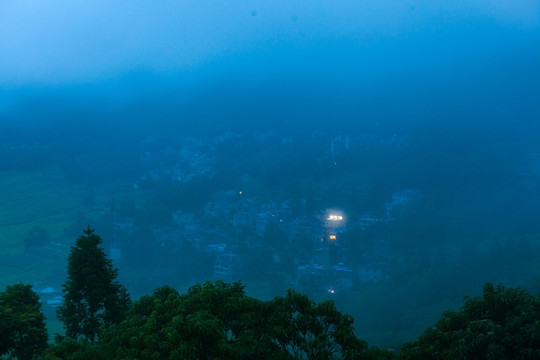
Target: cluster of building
(236, 227)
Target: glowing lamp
(335, 217)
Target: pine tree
(93, 298)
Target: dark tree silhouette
(93, 298)
(309, 330)
(504, 323)
(22, 323)
(216, 320)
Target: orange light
(333, 237)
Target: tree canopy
(216, 320)
(22, 323)
(309, 330)
(504, 323)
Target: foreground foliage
(216, 320)
(504, 323)
(22, 323)
(307, 330)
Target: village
(311, 243)
(303, 246)
(301, 242)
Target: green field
(45, 198)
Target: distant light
(333, 237)
(335, 217)
(331, 291)
(240, 192)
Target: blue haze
(444, 99)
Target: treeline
(216, 320)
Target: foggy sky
(58, 42)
